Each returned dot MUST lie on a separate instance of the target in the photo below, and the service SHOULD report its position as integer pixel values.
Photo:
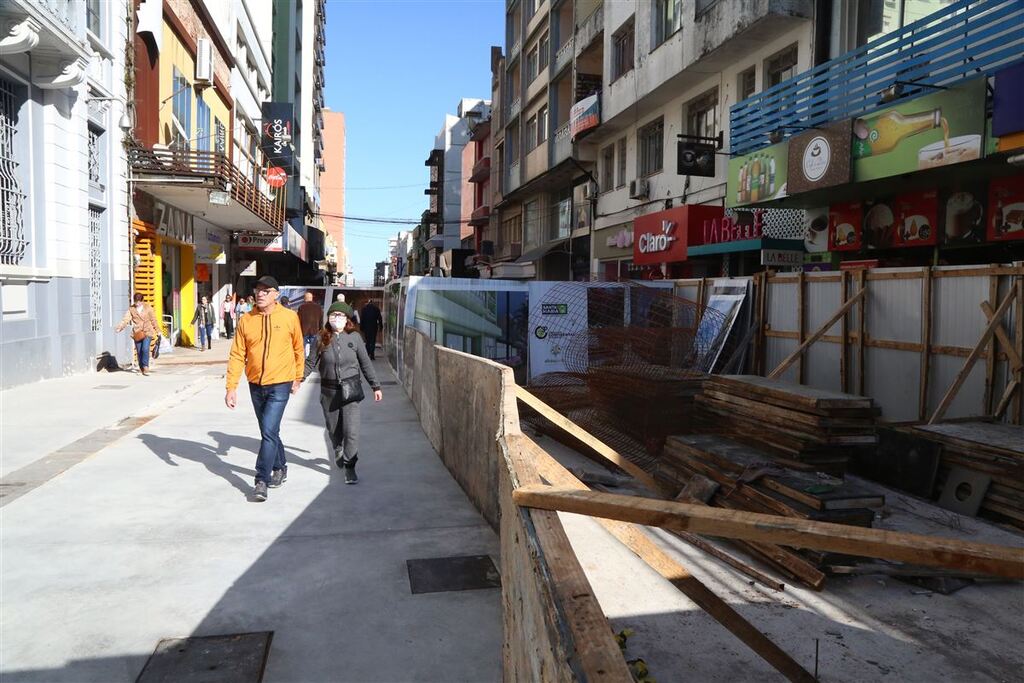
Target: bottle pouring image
(875, 135)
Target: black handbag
(351, 389)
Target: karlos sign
(276, 136)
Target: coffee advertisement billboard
(939, 129)
(917, 215)
(1006, 208)
(844, 226)
(963, 216)
(820, 158)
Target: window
(544, 49)
(668, 15)
(96, 158)
(531, 64)
(95, 267)
(93, 17)
(876, 18)
(608, 168)
(780, 67)
(622, 163)
(203, 133)
(704, 5)
(649, 142)
(531, 8)
(622, 50)
(702, 115)
(747, 84)
(13, 242)
(542, 124)
(181, 112)
(531, 133)
(531, 222)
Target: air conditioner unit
(639, 188)
(204, 61)
(589, 190)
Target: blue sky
(395, 68)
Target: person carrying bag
(340, 356)
(144, 328)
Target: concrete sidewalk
(156, 537)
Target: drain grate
(233, 658)
(445, 574)
(111, 386)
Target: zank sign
(276, 136)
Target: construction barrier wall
(553, 625)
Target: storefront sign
(844, 226)
(260, 242)
(295, 243)
(585, 115)
(249, 270)
(173, 222)
(742, 225)
(820, 158)
(662, 236)
(553, 326)
(963, 219)
(623, 239)
(917, 215)
(1008, 106)
(210, 244)
(276, 138)
(276, 177)
(1006, 205)
(935, 130)
(202, 272)
(879, 224)
(816, 230)
(759, 176)
(781, 257)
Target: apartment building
(65, 249)
(332, 191)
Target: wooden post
(926, 340)
(818, 334)
(971, 359)
(801, 314)
(990, 362)
(761, 359)
(844, 350)
(862, 281)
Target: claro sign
(276, 135)
(662, 237)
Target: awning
(540, 252)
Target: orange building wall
(332, 183)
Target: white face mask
(338, 322)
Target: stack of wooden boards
(726, 473)
(993, 449)
(803, 428)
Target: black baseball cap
(266, 281)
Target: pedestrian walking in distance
(268, 346)
(145, 329)
(311, 317)
(370, 320)
(206, 318)
(342, 361)
(228, 310)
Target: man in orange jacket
(268, 345)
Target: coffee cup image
(963, 215)
(954, 151)
(879, 225)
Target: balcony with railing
(480, 216)
(563, 57)
(967, 39)
(513, 109)
(589, 29)
(562, 147)
(481, 170)
(188, 179)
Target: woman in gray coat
(340, 356)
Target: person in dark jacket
(340, 357)
(206, 319)
(311, 317)
(370, 320)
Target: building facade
(65, 250)
(332, 187)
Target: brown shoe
(145, 371)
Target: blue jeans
(205, 335)
(309, 342)
(269, 402)
(142, 350)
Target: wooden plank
(804, 344)
(990, 361)
(1004, 401)
(926, 341)
(677, 574)
(763, 352)
(1018, 414)
(587, 438)
(791, 394)
(1016, 363)
(982, 558)
(966, 369)
(801, 322)
(976, 435)
(860, 334)
(844, 335)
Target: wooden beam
(801, 322)
(861, 338)
(574, 430)
(764, 328)
(1011, 390)
(1018, 335)
(678, 575)
(932, 551)
(990, 362)
(926, 342)
(844, 334)
(1016, 363)
(820, 332)
(966, 369)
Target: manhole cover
(443, 574)
(235, 658)
(111, 386)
